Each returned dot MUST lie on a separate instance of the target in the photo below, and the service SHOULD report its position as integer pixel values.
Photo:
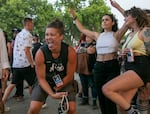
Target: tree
(88, 11)
(13, 12)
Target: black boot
(85, 101)
(94, 106)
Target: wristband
(74, 18)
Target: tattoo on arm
(147, 33)
(147, 46)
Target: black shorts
(141, 66)
(20, 74)
(38, 94)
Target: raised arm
(120, 33)
(117, 6)
(81, 28)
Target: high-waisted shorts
(141, 66)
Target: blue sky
(126, 4)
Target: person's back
(22, 40)
(22, 58)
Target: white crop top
(106, 43)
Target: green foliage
(13, 12)
(90, 16)
(89, 13)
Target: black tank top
(55, 66)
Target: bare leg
(72, 108)
(35, 107)
(30, 90)
(128, 81)
(7, 92)
(128, 95)
(4, 85)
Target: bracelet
(74, 18)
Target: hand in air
(114, 3)
(72, 12)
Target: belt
(106, 57)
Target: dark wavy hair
(57, 24)
(115, 26)
(139, 14)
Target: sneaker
(44, 105)
(6, 108)
(136, 112)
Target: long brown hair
(139, 14)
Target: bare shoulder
(71, 50)
(71, 53)
(96, 34)
(39, 57)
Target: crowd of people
(49, 69)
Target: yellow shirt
(136, 44)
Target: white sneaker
(44, 105)
(6, 109)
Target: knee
(33, 109)
(106, 89)
(72, 109)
